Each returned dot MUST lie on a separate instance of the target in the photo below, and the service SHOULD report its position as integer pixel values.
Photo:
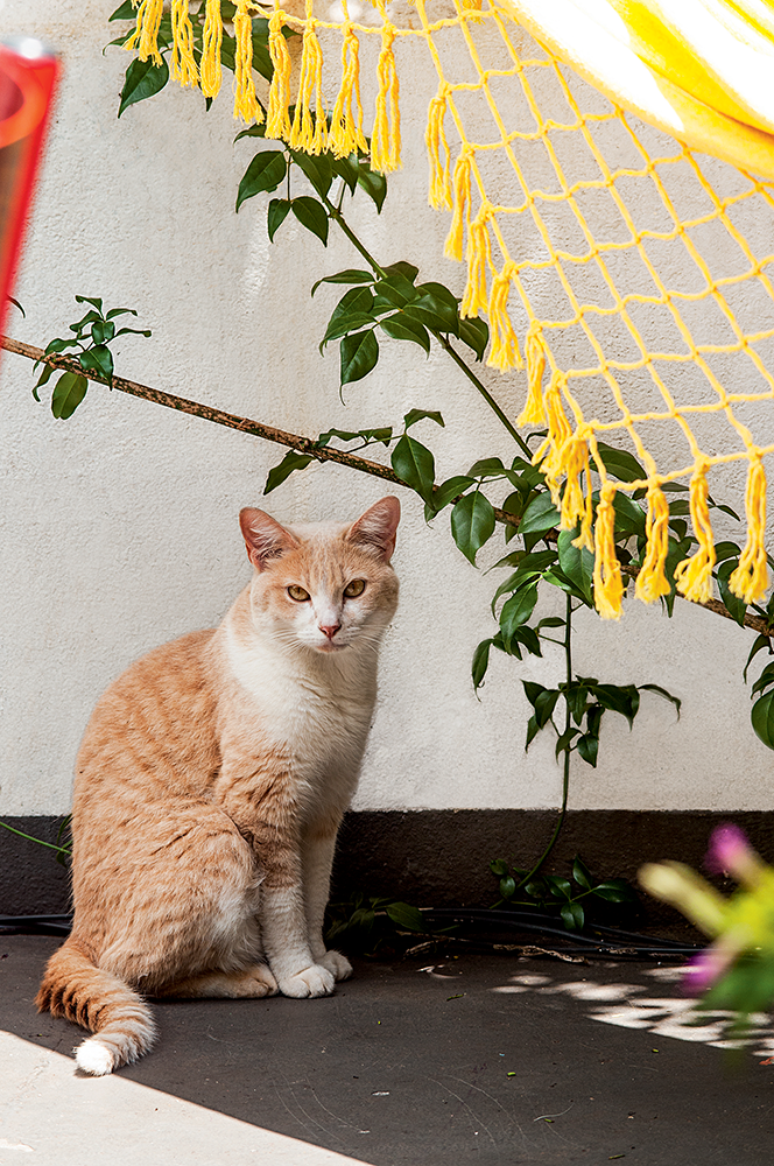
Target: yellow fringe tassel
(479, 256)
(145, 37)
(309, 132)
(183, 63)
(608, 587)
(245, 101)
(505, 346)
(440, 193)
(751, 578)
(346, 134)
(652, 582)
(212, 39)
(461, 216)
(558, 442)
(694, 576)
(385, 140)
(533, 412)
(574, 504)
(277, 118)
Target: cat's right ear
(264, 538)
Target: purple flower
(703, 969)
(729, 851)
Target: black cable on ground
(596, 940)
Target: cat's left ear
(375, 530)
(264, 538)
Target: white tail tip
(94, 1058)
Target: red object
(28, 76)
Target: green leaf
(143, 80)
(407, 270)
(736, 607)
(545, 703)
(480, 663)
(620, 464)
(507, 887)
(528, 637)
(573, 916)
(577, 563)
(629, 517)
(96, 302)
(358, 354)
(318, 170)
(762, 718)
(434, 311)
(760, 643)
(415, 465)
(103, 331)
(125, 11)
(765, 679)
(518, 609)
(472, 523)
(68, 393)
(499, 867)
(474, 333)
(348, 169)
(375, 186)
(581, 873)
(312, 215)
(291, 461)
(623, 699)
(402, 327)
(448, 491)
(541, 515)
(278, 212)
(265, 172)
(99, 360)
(558, 887)
(616, 891)
(406, 916)
(662, 692)
(488, 467)
(43, 379)
(415, 415)
(532, 731)
(588, 748)
(726, 550)
(351, 275)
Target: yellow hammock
(612, 273)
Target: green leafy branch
(551, 892)
(92, 335)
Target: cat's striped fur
(210, 786)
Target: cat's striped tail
(119, 1018)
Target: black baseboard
(431, 857)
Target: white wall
(119, 527)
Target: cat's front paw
(313, 981)
(337, 964)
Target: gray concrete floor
(492, 1060)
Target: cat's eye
(355, 588)
(298, 593)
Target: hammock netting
(628, 274)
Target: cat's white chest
(317, 711)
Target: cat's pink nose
(329, 629)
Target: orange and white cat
(210, 786)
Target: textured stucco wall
(119, 527)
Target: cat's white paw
(313, 981)
(337, 964)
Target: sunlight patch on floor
(69, 1120)
(635, 1006)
